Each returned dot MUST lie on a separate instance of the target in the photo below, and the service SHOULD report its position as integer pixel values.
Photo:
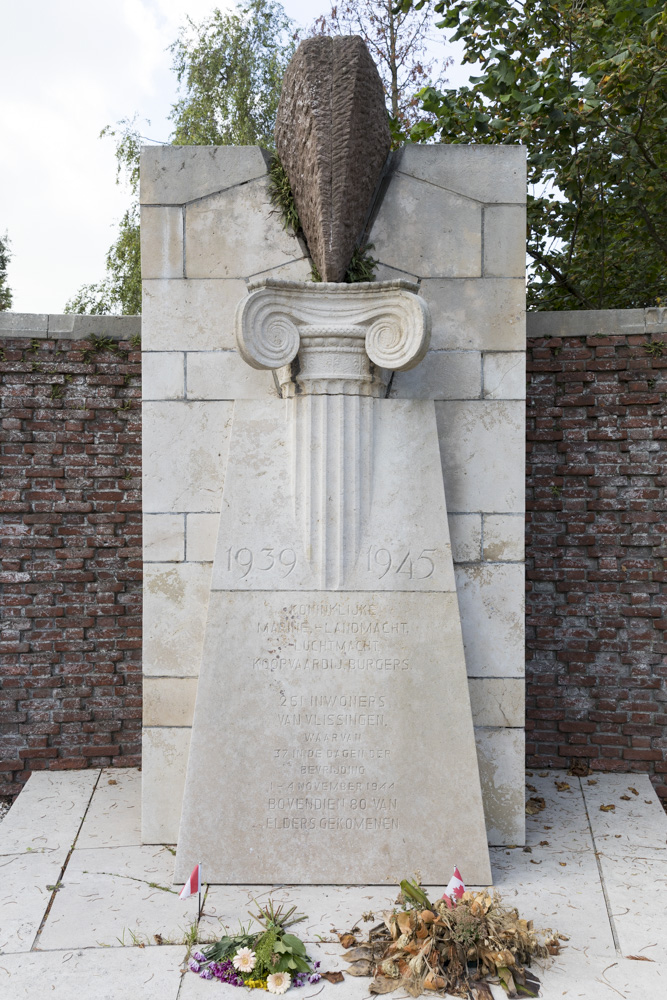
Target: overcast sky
(67, 69)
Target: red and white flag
(455, 888)
(193, 884)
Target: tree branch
(560, 277)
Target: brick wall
(596, 542)
(70, 669)
(70, 666)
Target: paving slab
(107, 898)
(114, 815)
(329, 908)
(24, 897)
(102, 974)
(637, 819)
(115, 896)
(47, 814)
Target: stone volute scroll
(331, 338)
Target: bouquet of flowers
(269, 959)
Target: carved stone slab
(332, 738)
(333, 138)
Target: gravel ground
(4, 807)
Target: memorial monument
(333, 655)
(358, 691)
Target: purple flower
(314, 977)
(194, 966)
(206, 974)
(199, 957)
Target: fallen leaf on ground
(382, 984)
(609, 808)
(626, 798)
(542, 774)
(579, 769)
(592, 781)
(362, 968)
(347, 940)
(531, 788)
(112, 781)
(648, 802)
(534, 862)
(480, 991)
(634, 792)
(640, 958)
(563, 864)
(534, 805)
(562, 786)
(333, 977)
(544, 843)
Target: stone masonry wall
(596, 684)
(70, 578)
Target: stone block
(225, 375)
(465, 531)
(585, 322)
(202, 534)
(164, 537)
(486, 314)
(161, 242)
(504, 241)
(502, 764)
(162, 375)
(442, 375)
(504, 375)
(385, 273)
(504, 537)
(294, 270)
(164, 761)
(169, 701)
(491, 599)
(184, 454)
(486, 173)
(236, 233)
(23, 324)
(174, 175)
(428, 231)
(75, 326)
(175, 604)
(497, 701)
(481, 448)
(192, 315)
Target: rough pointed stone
(332, 137)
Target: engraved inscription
(243, 559)
(381, 561)
(332, 667)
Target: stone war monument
(318, 702)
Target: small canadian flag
(455, 888)
(193, 884)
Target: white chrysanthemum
(244, 960)
(278, 982)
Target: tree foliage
(5, 290)
(230, 70)
(398, 42)
(583, 85)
